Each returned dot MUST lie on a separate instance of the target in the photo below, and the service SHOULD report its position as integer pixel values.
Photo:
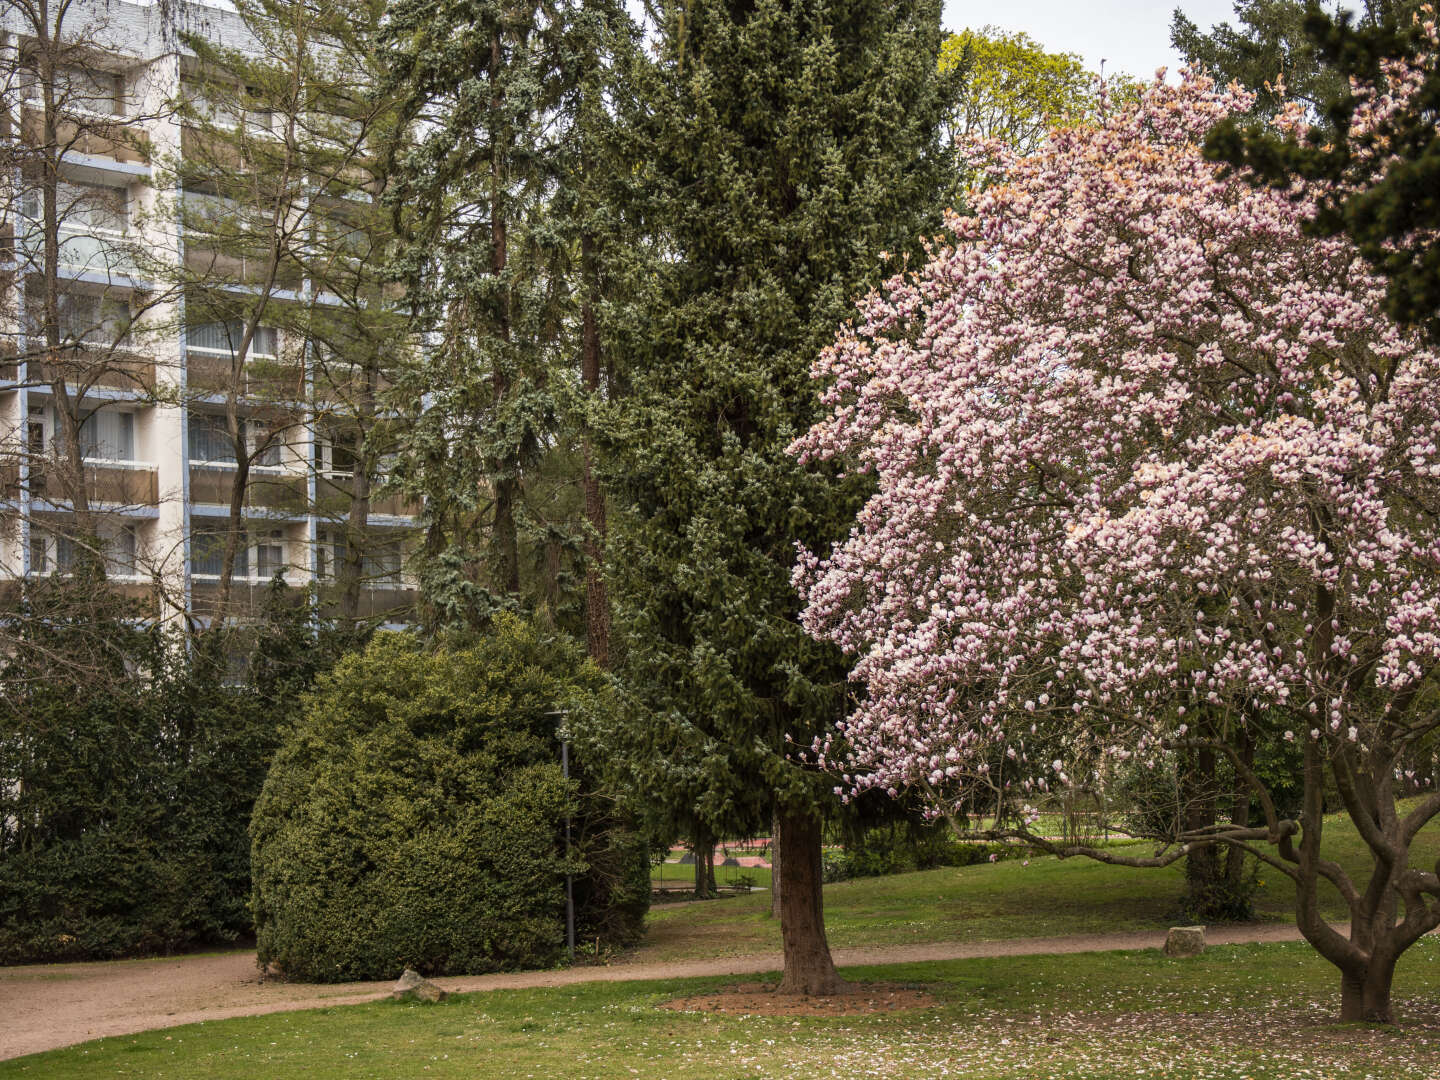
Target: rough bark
(597, 602)
(702, 850)
(1240, 807)
(504, 536)
(809, 968)
(775, 912)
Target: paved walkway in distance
(45, 1006)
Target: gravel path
(45, 1006)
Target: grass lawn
(1261, 1012)
(668, 873)
(1048, 897)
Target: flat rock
(1185, 941)
(412, 986)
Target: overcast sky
(1130, 35)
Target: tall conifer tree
(786, 145)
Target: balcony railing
(212, 482)
(94, 366)
(225, 267)
(271, 380)
(395, 601)
(94, 137)
(108, 254)
(112, 484)
(247, 597)
(335, 492)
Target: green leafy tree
(785, 146)
(1013, 89)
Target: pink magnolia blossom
(1138, 441)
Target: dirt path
(45, 1006)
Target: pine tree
(1381, 178)
(1268, 49)
(785, 146)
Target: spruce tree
(785, 146)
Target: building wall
(158, 495)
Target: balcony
(265, 378)
(219, 269)
(272, 490)
(395, 602)
(334, 493)
(95, 367)
(100, 255)
(247, 597)
(143, 593)
(112, 485)
(95, 137)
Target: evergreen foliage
(415, 816)
(1268, 52)
(784, 147)
(126, 783)
(1382, 176)
(504, 108)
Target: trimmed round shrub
(414, 816)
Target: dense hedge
(128, 766)
(899, 847)
(414, 817)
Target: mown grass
(671, 873)
(1036, 898)
(1252, 1011)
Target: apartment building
(116, 397)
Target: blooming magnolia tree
(1154, 475)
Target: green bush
(129, 761)
(900, 847)
(414, 817)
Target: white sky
(1130, 35)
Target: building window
(207, 553)
(270, 556)
(265, 443)
(382, 562)
(86, 209)
(121, 550)
(86, 318)
(330, 554)
(223, 339)
(209, 439)
(109, 435)
(79, 89)
(337, 453)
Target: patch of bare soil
(761, 999)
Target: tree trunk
(504, 540)
(775, 912)
(1202, 862)
(357, 522)
(1365, 995)
(1240, 818)
(808, 966)
(597, 603)
(702, 850)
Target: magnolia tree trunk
(808, 967)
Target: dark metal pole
(569, 878)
